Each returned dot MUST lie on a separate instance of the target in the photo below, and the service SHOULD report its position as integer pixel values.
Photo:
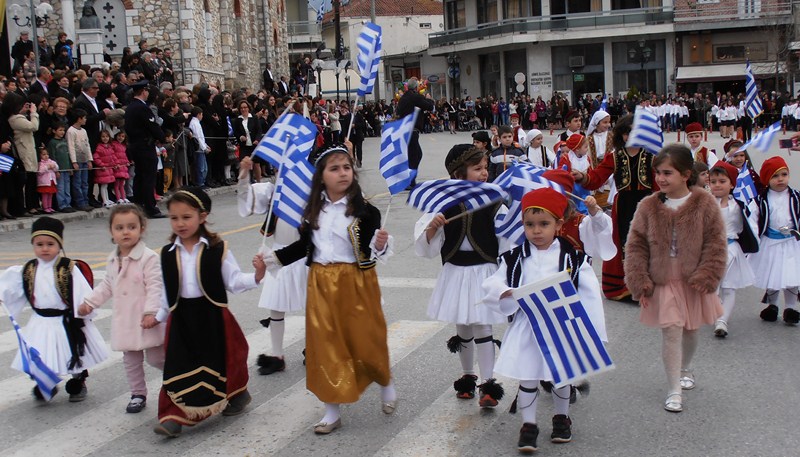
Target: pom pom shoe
(37, 394)
(770, 313)
(465, 386)
(490, 393)
(791, 316)
(268, 364)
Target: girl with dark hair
(632, 169)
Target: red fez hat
(694, 127)
(770, 167)
(731, 144)
(733, 173)
(560, 177)
(571, 114)
(515, 116)
(574, 141)
(547, 199)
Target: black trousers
(144, 181)
(414, 153)
(31, 196)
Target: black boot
(770, 313)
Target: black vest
(623, 171)
(763, 210)
(747, 239)
(478, 228)
(209, 273)
(569, 259)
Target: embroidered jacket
(209, 273)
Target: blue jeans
(200, 169)
(64, 194)
(80, 185)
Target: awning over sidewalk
(727, 72)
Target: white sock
(484, 345)
(790, 297)
(331, 413)
(527, 400)
(276, 329)
(561, 400)
(227, 169)
(104, 192)
(772, 296)
(388, 392)
(467, 353)
(728, 298)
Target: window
(487, 11)
(514, 9)
(455, 12)
(625, 4)
(570, 6)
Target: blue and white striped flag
(5, 163)
(294, 190)
(566, 336)
(752, 103)
(519, 179)
(369, 57)
(286, 129)
(604, 104)
(32, 364)
(646, 132)
(745, 189)
(763, 140)
(439, 195)
(394, 153)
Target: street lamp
(22, 12)
(641, 53)
(454, 71)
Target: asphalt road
(745, 403)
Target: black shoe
(37, 394)
(86, 208)
(137, 404)
(791, 316)
(527, 438)
(562, 431)
(68, 209)
(169, 429)
(268, 364)
(237, 404)
(80, 396)
(95, 204)
(465, 386)
(770, 313)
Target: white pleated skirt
(458, 296)
(286, 290)
(776, 264)
(48, 336)
(520, 356)
(739, 273)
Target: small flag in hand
(752, 101)
(745, 189)
(569, 341)
(5, 163)
(394, 153)
(646, 132)
(604, 104)
(274, 144)
(369, 57)
(32, 364)
(763, 140)
(439, 195)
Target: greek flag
(394, 153)
(275, 142)
(745, 189)
(604, 104)
(752, 102)
(570, 344)
(369, 57)
(293, 185)
(763, 140)
(646, 132)
(32, 364)
(439, 195)
(5, 163)
(519, 179)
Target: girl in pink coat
(103, 166)
(133, 280)
(46, 180)
(121, 164)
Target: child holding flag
(469, 249)
(541, 255)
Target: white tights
(277, 327)
(528, 398)
(728, 298)
(677, 349)
(485, 349)
(789, 297)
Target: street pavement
(745, 403)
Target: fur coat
(702, 247)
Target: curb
(23, 223)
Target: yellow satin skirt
(346, 347)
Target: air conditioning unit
(575, 61)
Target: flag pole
(465, 213)
(388, 208)
(352, 118)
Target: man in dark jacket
(143, 131)
(410, 100)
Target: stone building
(225, 41)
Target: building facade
(538, 47)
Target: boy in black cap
(481, 141)
(52, 284)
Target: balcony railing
(303, 28)
(690, 11)
(604, 19)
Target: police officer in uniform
(143, 131)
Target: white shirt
(235, 280)
(92, 101)
(197, 132)
(732, 215)
(332, 241)
(578, 163)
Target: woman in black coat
(247, 131)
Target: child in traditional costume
(54, 285)
(205, 371)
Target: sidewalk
(25, 222)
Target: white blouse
(332, 241)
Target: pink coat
(121, 160)
(136, 288)
(103, 161)
(47, 172)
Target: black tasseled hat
(48, 226)
(458, 155)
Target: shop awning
(727, 72)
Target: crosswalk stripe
(8, 340)
(301, 408)
(435, 432)
(108, 422)
(407, 283)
